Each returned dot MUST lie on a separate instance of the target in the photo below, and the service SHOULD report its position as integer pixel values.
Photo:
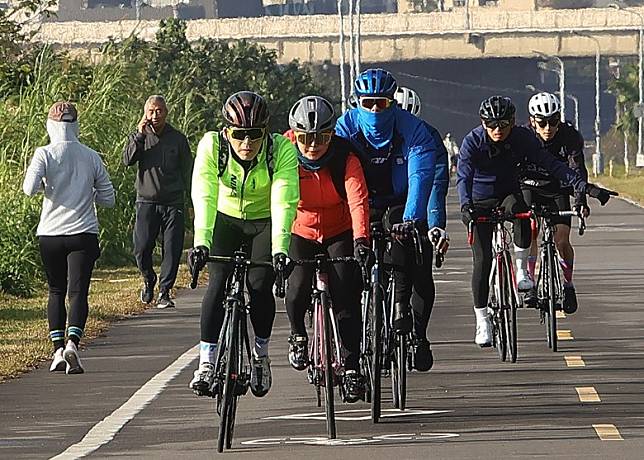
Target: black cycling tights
(345, 285)
(69, 261)
(413, 282)
(482, 246)
(229, 235)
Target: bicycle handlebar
(496, 217)
(548, 214)
(239, 258)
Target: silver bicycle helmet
(312, 114)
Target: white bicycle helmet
(408, 100)
(544, 105)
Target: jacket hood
(62, 131)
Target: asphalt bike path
(585, 401)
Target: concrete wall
(493, 33)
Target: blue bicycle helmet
(375, 83)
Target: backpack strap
(224, 153)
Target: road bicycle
(385, 352)
(549, 285)
(233, 361)
(326, 362)
(504, 298)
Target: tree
(626, 91)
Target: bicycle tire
(365, 343)
(401, 358)
(500, 277)
(395, 382)
(377, 310)
(328, 369)
(510, 311)
(552, 299)
(229, 382)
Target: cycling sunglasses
(493, 124)
(381, 102)
(240, 134)
(319, 138)
(553, 121)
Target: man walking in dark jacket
(164, 168)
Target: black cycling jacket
(568, 147)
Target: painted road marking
(564, 334)
(587, 394)
(574, 361)
(123, 280)
(356, 414)
(561, 315)
(324, 441)
(608, 432)
(105, 430)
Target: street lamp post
(639, 160)
(561, 72)
(598, 159)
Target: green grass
(631, 187)
(24, 340)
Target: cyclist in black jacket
(566, 144)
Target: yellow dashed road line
(608, 432)
(587, 394)
(561, 315)
(574, 361)
(564, 334)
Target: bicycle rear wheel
(227, 414)
(328, 368)
(377, 309)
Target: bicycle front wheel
(510, 309)
(228, 403)
(328, 369)
(377, 310)
(498, 318)
(552, 298)
(399, 372)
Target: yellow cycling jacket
(247, 196)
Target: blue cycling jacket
(489, 169)
(417, 162)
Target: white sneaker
(58, 362)
(524, 281)
(203, 381)
(70, 355)
(483, 336)
(260, 376)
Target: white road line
(105, 430)
(564, 334)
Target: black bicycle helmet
(497, 108)
(246, 109)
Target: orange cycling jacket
(322, 212)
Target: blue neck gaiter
(377, 127)
(315, 165)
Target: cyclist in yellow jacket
(245, 190)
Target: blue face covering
(377, 127)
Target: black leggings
(413, 282)
(229, 235)
(69, 261)
(482, 246)
(345, 285)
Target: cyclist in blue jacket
(491, 161)
(399, 155)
